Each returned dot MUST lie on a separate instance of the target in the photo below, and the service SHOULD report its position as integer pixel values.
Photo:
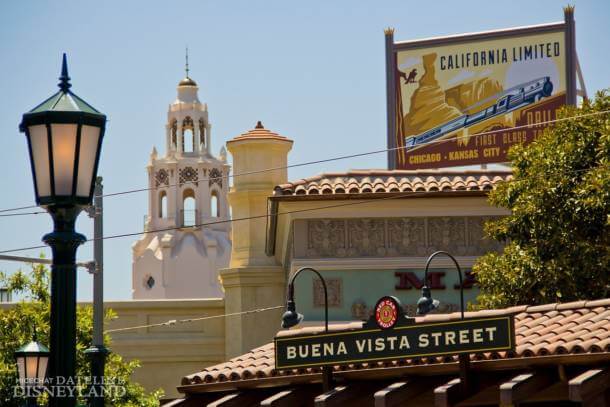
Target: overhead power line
(173, 322)
(344, 157)
(356, 155)
(5, 215)
(89, 265)
(358, 201)
(19, 208)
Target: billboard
(466, 99)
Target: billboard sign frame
(567, 27)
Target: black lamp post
(291, 318)
(64, 136)
(426, 303)
(32, 360)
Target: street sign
(401, 339)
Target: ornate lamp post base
(97, 355)
(64, 241)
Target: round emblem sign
(386, 312)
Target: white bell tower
(188, 188)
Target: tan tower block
(253, 280)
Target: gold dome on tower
(187, 82)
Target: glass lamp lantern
(32, 360)
(64, 136)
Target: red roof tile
(259, 132)
(386, 181)
(553, 329)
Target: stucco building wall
(167, 353)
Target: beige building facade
(371, 226)
(375, 226)
(168, 351)
(370, 233)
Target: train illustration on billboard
(512, 99)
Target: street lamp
(64, 135)
(32, 360)
(291, 318)
(426, 303)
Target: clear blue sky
(313, 71)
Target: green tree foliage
(17, 324)
(558, 233)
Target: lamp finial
(64, 83)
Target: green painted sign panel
(406, 341)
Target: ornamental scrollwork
(188, 174)
(161, 177)
(215, 177)
(398, 237)
(366, 237)
(187, 123)
(326, 238)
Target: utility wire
(173, 322)
(344, 157)
(3, 215)
(85, 264)
(18, 208)
(358, 201)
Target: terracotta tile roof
(259, 132)
(386, 181)
(555, 329)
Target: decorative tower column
(253, 280)
(188, 212)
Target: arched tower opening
(202, 134)
(188, 135)
(214, 205)
(162, 205)
(189, 208)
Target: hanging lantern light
(64, 139)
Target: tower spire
(186, 66)
(187, 81)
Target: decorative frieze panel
(326, 238)
(397, 237)
(366, 237)
(476, 235)
(407, 236)
(448, 233)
